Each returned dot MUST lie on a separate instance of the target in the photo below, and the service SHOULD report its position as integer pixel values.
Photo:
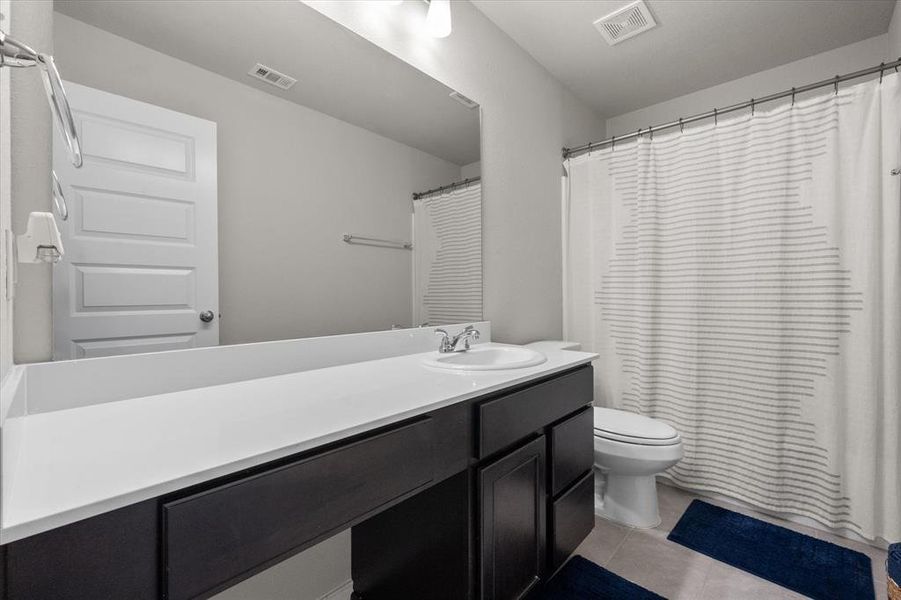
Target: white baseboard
(342, 592)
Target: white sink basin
(486, 357)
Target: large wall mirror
(253, 171)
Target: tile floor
(647, 558)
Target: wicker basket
(894, 590)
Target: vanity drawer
(572, 519)
(218, 537)
(508, 419)
(572, 449)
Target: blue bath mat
(793, 560)
(581, 579)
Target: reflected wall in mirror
(235, 161)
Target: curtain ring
(836, 83)
(752, 107)
(681, 126)
(881, 71)
(613, 143)
(651, 132)
(793, 96)
(715, 117)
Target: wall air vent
(625, 23)
(271, 76)
(463, 100)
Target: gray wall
(31, 128)
(894, 33)
(527, 116)
(6, 309)
(846, 59)
(291, 181)
(309, 575)
(471, 170)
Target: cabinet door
(512, 522)
(571, 520)
(572, 450)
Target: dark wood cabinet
(495, 530)
(571, 445)
(571, 520)
(221, 535)
(479, 499)
(506, 420)
(512, 523)
(113, 555)
(421, 548)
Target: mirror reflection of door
(140, 273)
(273, 186)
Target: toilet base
(629, 500)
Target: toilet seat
(632, 428)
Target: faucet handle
(469, 334)
(446, 345)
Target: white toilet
(629, 451)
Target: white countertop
(67, 465)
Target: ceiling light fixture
(438, 19)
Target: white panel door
(141, 263)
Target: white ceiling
(696, 44)
(339, 73)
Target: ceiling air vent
(626, 22)
(463, 100)
(271, 76)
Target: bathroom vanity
(234, 366)
(455, 484)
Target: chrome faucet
(449, 344)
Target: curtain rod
(444, 188)
(579, 150)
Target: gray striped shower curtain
(447, 257)
(742, 282)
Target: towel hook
(16, 54)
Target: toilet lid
(633, 428)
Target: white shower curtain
(447, 256)
(742, 282)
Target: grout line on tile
(703, 589)
(710, 565)
(618, 547)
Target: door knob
(206, 316)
